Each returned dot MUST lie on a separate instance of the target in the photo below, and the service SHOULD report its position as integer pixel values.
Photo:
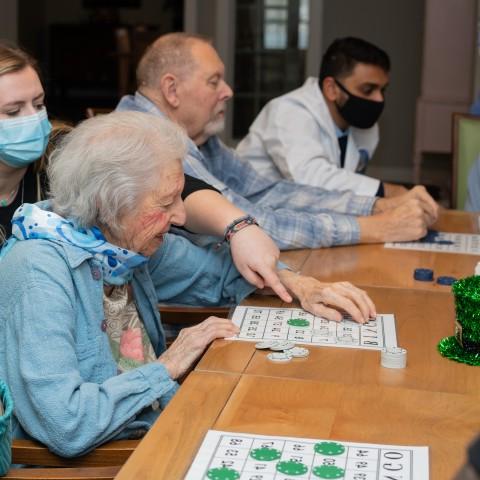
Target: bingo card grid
(444, 242)
(231, 456)
(267, 323)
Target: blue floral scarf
(30, 222)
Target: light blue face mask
(24, 139)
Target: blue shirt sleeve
(295, 216)
(186, 274)
(63, 396)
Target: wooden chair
(465, 150)
(180, 315)
(101, 464)
(76, 473)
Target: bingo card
(299, 326)
(443, 242)
(232, 456)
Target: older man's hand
(191, 343)
(255, 255)
(329, 300)
(419, 194)
(407, 222)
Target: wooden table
(169, 447)
(338, 394)
(457, 221)
(378, 266)
(445, 422)
(422, 319)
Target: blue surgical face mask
(24, 139)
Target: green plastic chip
(298, 322)
(223, 473)
(265, 454)
(329, 448)
(328, 471)
(292, 468)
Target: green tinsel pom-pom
(465, 345)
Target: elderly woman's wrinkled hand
(191, 343)
(330, 300)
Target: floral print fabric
(129, 341)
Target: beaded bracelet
(237, 225)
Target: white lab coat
(294, 138)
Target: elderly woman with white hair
(83, 273)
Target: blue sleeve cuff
(162, 386)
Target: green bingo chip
(292, 468)
(298, 322)
(328, 471)
(223, 473)
(329, 448)
(265, 454)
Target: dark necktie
(342, 142)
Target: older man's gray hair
(104, 166)
(170, 53)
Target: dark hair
(344, 53)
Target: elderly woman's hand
(329, 299)
(256, 255)
(191, 343)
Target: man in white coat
(325, 132)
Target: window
(270, 53)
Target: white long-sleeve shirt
(294, 138)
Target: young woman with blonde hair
(24, 133)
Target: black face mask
(359, 112)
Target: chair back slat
(33, 453)
(465, 150)
(82, 473)
(174, 315)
